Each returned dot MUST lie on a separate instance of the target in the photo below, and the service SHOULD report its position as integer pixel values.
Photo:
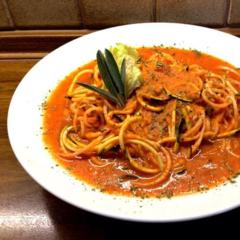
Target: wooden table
(27, 211)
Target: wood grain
(22, 55)
(35, 41)
(40, 42)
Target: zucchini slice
(178, 97)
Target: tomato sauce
(216, 163)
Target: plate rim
(128, 218)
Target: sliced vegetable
(178, 129)
(150, 103)
(185, 115)
(178, 97)
(162, 96)
(133, 72)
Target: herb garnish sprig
(114, 80)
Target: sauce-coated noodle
(176, 134)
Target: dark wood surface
(29, 212)
(38, 42)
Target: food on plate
(150, 121)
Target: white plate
(24, 122)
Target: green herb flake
(139, 60)
(159, 65)
(133, 188)
(169, 194)
(236, 175)
(231, 180)
(197, 53)
(160, 196)
(203, 188)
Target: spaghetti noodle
(177, 110)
